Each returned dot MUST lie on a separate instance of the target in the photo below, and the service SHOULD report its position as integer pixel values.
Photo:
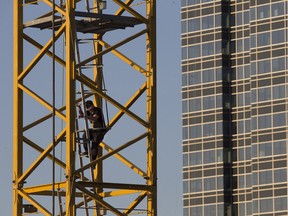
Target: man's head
(88, 104)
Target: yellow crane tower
(63, 49)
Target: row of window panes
(267, 66)
(242, 154)
(267, 38)
(263, 150)
(244, 209)
(198, 77)
(205, 49)
(204, 130)
(267, 11)
(261, 95)
(244, 181)
(268, 121)
(242, 18)
(266, 94)
(240, 45)
(201, 23)
(203, 157)
(269, 177)
(263, 177)
(207, 210)
(262, 12)
(193, 2)
(202, 103)
(202, 184)
(270, 205)
(243, 99)
(241, 72)
(269, 149)
(261, 122)
(243, 126)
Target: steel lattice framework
(44, 124)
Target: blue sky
(169, 107)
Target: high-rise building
(234, 98)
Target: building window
(263, 39)
(192, 2)
(263, 12)
(279, 147)
(264, 66)
(185, 159)
(193, 25)
(194, 78)
(208, 76)
(264, 122)
(264, 94)
(207, 22)
(248, 180)
(194, 51)
(278, 64)
(279, 120)
(209, 210)
(220, 182)
(184, 106)
(185, 186)
(185, 212)
(241, 181)
(209, 129)
(209, 156)
(195, 158)
(184, 26)
(196, 185)
(184, 53)
(278, 9)
(241, 155)
(196, 211)
(255, 206)
(195, 104)
(278, 92)
(208, 102)
(278, 36)
(241, 207)
(240, 127)
(265, 177)
(209, 184)
(265, 149)
(280, 175)
(280, 204)
(266, 205)
(185, 133)
(208, 49)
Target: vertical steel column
(17, 108)
(70, 108)
(151, 109)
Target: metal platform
(87, 22)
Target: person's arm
(81, 114)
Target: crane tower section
(68, 52)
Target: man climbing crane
(97, 132)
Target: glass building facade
(234, 107)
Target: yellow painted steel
(17, 108)
(71, 189)
(151, 108)
(70, 108)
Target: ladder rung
(91, 66)
(86, 40)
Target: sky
(168, 102)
